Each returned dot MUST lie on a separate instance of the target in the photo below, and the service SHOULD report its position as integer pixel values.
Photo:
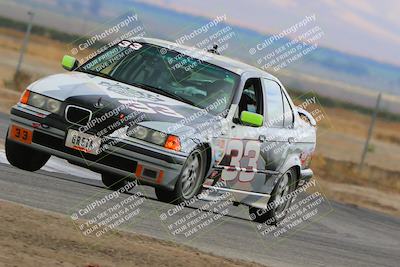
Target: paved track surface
(340, 235)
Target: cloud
(284, 3)
(369, 27)
(362, 6)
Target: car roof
(230, 64)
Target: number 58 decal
(238, 151)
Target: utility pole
(25, 43)
(370, 131)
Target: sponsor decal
(151, 108)
(129, 91)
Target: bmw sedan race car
(176, 118)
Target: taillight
(25, 97)
(173, 143)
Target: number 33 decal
(237, 151)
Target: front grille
(77, 115)
(108, 159)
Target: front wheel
(279, 202)
(113, 182)
(25, 157)
(189, 182)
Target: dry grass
(373, 187)
(8, 99)
(39, 46)
(361, 196)
(349, 173)
(357, 124)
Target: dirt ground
(32, 237)
(373, 187)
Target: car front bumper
(126, 158)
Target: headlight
(42, 102)
(158, 138)
(38, 101)
(53, 105)
(139, 132)
(153, 136)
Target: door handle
(262, 138)
(291, 140)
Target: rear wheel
(189, 182)
(279, 202)
(25, 157)
(113, 182)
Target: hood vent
(78, 115)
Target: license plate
(83, 142)
(21, 134)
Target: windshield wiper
(104, 75)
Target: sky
(368, 28)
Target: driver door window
(252, 98)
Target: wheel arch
(206, 149)
(297, 170)
(293, 163)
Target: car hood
(102, 96)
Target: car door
(242, 162)
(278, 138)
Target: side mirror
(251, 119)
(69, 63)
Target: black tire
(277, 212)
(190, 180)
(164, 195)
(25, 157)
(113, 182)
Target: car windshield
(166, 72)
